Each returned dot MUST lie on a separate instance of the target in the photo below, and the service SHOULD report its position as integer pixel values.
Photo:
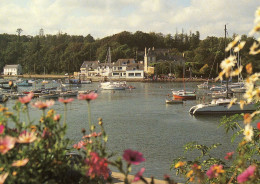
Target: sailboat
(112, 85)
(183, 94)
(221, 106)
(44, 81)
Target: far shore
(98, 79)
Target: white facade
(13, 69)
(135, 74)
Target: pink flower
(214, 171)
(79, 145)
(88, 97)
(133, 157)
(245, 176)
(6, 144)
(139, 175)
(26, 99)
(56, 117)
(97, 166)
(65, 101)
(2, 129)
(43, 105)
(229, 155)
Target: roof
(121, 62)
(90, 64)
(11, 66)
(137, 66)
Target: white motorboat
(239, 90)
(219, 94)
(204, 85)
(113, 85)
(217, 88)
(220, 106)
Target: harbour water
(140, 120)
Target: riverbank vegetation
(63, 53)
(39, 151)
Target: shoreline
(98, 79)
(118, 178)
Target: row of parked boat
(220, 103)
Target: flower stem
(89, 118)
(28, 116)
(65, 114)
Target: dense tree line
(64, 53)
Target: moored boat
(3, 98)
(184, 95)
(204, 85)
(220, 106)
(173, 101)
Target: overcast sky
(102, 18)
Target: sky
(101, 18)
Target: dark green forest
(63, 53)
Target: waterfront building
(13, 69)
(122, 68)
(128, 69)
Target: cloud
(101, 18)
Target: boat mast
(183, 74)
(226, 56)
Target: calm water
(140, 120)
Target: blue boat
(24, 83)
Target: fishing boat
(183, 94)
(220, 106)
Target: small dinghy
(173, 101)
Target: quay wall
(98, 79)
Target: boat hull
(221, 109)
(185, 97)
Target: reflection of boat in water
(220, 106)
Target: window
(115, 74)
(131, 74)
(138, 74)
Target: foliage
(242, 164)
(64, 53)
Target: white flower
(248, 132)
(233, 43)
